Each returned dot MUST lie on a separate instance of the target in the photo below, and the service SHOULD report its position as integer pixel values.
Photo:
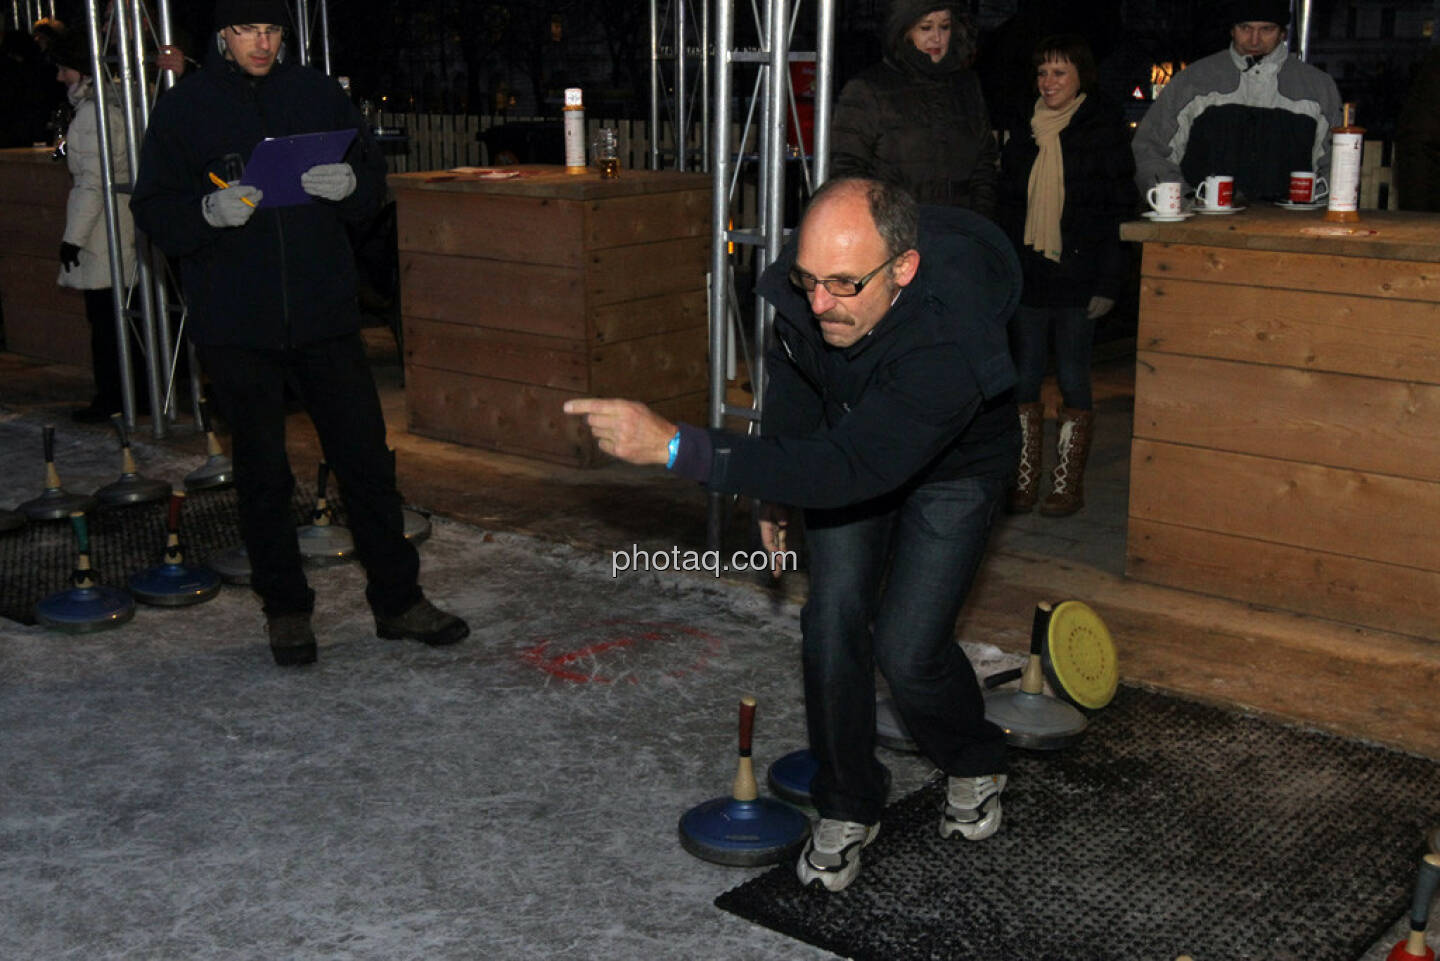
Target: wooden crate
(520, 294)
(1287, 405)
(42, 319)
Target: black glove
(69, 256)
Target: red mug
(1306, 187)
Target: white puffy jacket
(85, 208)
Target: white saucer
(1172, 219)
(1313, 205)
(1217, 210)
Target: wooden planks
(1270, 270)
(1391, 597)
(1355, 423)
(1367, 516)
(516, 297)
(1306, 330)
(1286, 409)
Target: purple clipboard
(277, 162)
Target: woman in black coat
(1066, 183)
(918, 118)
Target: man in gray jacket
(1251, 111)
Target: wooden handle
(1032, 681)
(177, 500)
(49, 435)
(82, 532)
(747, 723)
(745, 788)
(119, 421)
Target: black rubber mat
(37, 559)
(1170, 828)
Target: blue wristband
(673, 449)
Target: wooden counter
(1287, 414)
(519, 294)
(42, 319)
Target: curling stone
(744, 829)
(11, 521)
(1077, 657)
(1031, 718)
(1413, 948)
(85, 605)
(217, 471)
(232, 564)
(173, 583)
(55, 503)
(131, 487)
(417, 525)
(322, 542)
(789, 779)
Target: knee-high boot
(1067, 485)
(1022, 497)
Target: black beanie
(230, 12)
(1257, 11)
(70, 49)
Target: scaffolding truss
(761, 231)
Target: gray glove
(329, 181)
(228, 207)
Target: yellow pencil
(224, 186)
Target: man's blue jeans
(887, 580)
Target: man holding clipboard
(270, 282)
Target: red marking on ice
(559, 665)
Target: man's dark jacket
(1099, 195)
(287, 277)
(927, 395)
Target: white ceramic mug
(1216, 192)
(1306, 187)
(1164, 198)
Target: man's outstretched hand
(625, 429)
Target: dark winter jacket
(925, 396)
(287, 277)
(1099, 194)
(1255, 121)
(920, 124)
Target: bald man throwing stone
(889, 419)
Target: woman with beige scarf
(1065, 186)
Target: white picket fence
(441, 141)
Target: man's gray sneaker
(832, 855)
(972, 807)
(423, 622)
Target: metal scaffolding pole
(680, 41)
(305, 16)
(766, 234)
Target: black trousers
(333, 380)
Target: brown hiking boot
(422, 622)
(292, 642)
(1067, 494)
(1021, 498)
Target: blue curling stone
(743, 833)
(789, 777)
(82, 609)
(174, 585)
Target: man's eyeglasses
(834, 286)
(253, 31)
